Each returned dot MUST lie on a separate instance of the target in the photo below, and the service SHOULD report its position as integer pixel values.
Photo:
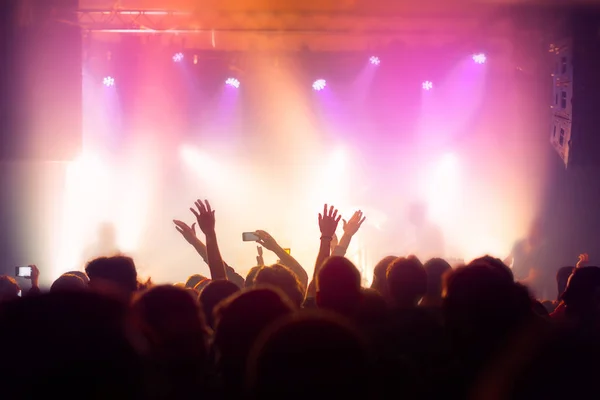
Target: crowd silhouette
(423, 330)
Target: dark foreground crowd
(421, 331)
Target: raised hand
(353, 225)
(35, 276)
(584, 259)
(205, 216)
(328, 221)
(267, 241)
(188, 232)
(259, 258)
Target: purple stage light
(479, 58)
(427, 85)
(108, 81)
(319, 84)
(374, 60)
(178, 57)
(232, 82)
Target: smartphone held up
(250, 237)
(23, 272)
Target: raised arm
(328, 222)
(350, 229)
(286, 259)
(189, 234)
(205, 216)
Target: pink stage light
(319, 84)
(232, 82)
(374, 60)
(108, 81)
(178, 57)
(479, 58)
(427, 85)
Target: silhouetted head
(283, 278)
(373, 308)
(582, 295)
(112, 273)
(307, 355)
(380, 275)
(407, 282)
(214, 293)
(482, 307)
(239, 321)
(435, 269)
(9, 288)
(496, 265)
(338, 286)
(193, 280)
(201, 285)
(562, 278)
(68, 282)
(79, 274)
(251, 276)
(171, 320)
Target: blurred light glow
(479, 58)
(374, 60)
(178, 57)
(232, 82)
(195, 59)
(337, 163)
(427, 85)
(319, 84)
(108, 81)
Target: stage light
(178, 57)
(427, 85)
(195, 59)
(108, 81)
(479, 58)
(232, 82)
(374, 60)
(319, 84)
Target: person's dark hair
(338, 286)
(582, 296)
(239, 320)
(68, 282)
(118, 270)
(496, 265)
(172, 320)
(79, 274)
(407, 282)
(214, 293)
(193, 280)
(562, 278)
(310, 353)
(380, 275)
(9, 288)
(373, 310)
(251, 276)
(283, 278)
(482, 308)
(435, 269)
